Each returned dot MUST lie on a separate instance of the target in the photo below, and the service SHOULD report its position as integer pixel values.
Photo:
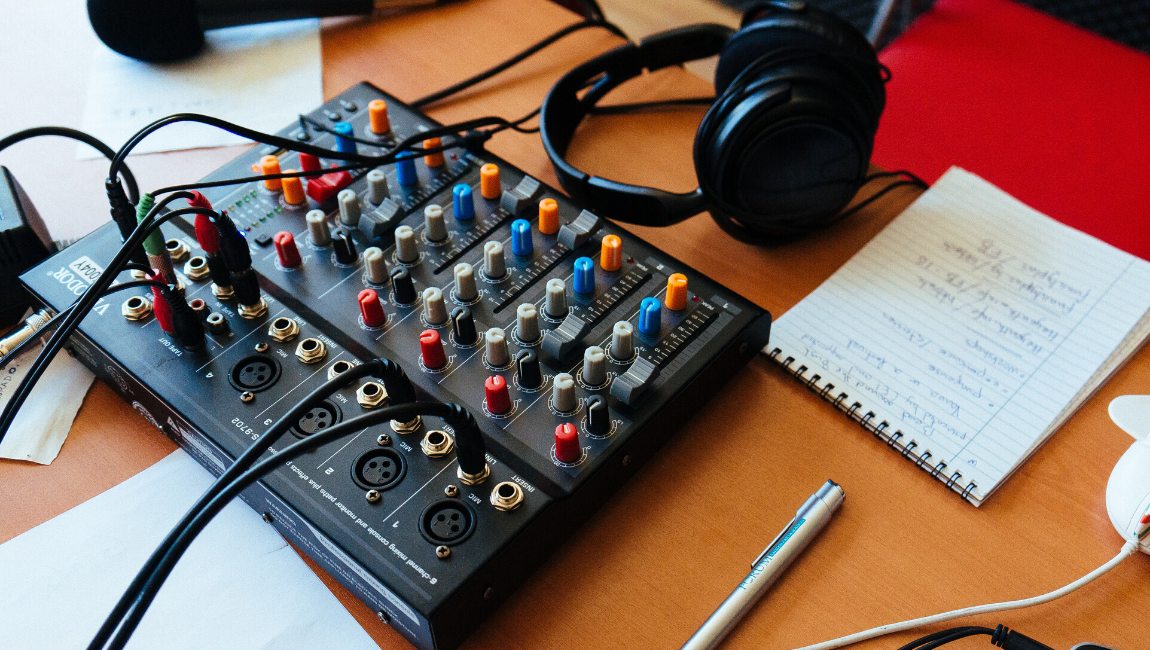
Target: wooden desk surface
(658, 558)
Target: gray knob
(377, 189)
(434, 309)
(527, 323)
(594, 366)
(494, 262)
(556, 305)
(497, 347)
(317, 227)
(376, 266)
(465, 289)
(623, 341)
(406, 250)
(349, 208)
(563, 393)
(433, 223)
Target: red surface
(370, 308)
(431, 348)
(498, 399)
(567, 443)
(1052, 114)
(286, 249)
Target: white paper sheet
(258, 76)
(239, 586)
(42, 424)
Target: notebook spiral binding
(881, 430)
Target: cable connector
(124, 214)
(187, 328)
(1009, 639)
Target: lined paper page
(972, 324)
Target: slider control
(527, 323)
(406, 250)
(434, 308)
(527, 370)
(520, 197)
(630, 385)
(375, 266)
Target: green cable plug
(153, 243)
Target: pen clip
(773, 542)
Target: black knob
(598, 416)
(402, 285)
(463, 326)
(527, 367)
(344, 247)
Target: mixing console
(577, 346)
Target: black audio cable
(1001, 636)
(470, 453)
(399, 389)
(86, 301)
(79, 136)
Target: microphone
(169, 30)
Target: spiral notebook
(968, 331)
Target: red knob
(432, 348)
(371, 309)
(498, 401)
(567, 443)
(286, 249)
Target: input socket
(177, 250)
(317, 418)
(217, 324)
(371, 395)
(310, 350)
(378, 469)
(257, 310)
(411, 426)
(196, 269)
(337, 369)
(506, 496)
(446, 522)
(136, 308)
(437, 444)
(254, 373)
(284, 329)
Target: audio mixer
(578, 347)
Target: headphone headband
(563, 110)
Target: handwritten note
(973, 325)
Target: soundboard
(578, 347)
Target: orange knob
(377, 113)
(611, 257)
(677, 292)
(433, 159)
(270, 165)
(489, 185)
(548, 216)
(293, 190)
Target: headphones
(783, 149)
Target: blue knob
(584, 275)
(649, 322)
(405, 170)
(343, 141)
(463, 202)
(521, 243)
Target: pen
(766, 569)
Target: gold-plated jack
(196, 269)
(411, 426)
(136, 308)
(473, 479)
(310, 350)
(506, 496)
(338, 368)
(371, 395)
(283, 329)
(437, 444)
(253, 311)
